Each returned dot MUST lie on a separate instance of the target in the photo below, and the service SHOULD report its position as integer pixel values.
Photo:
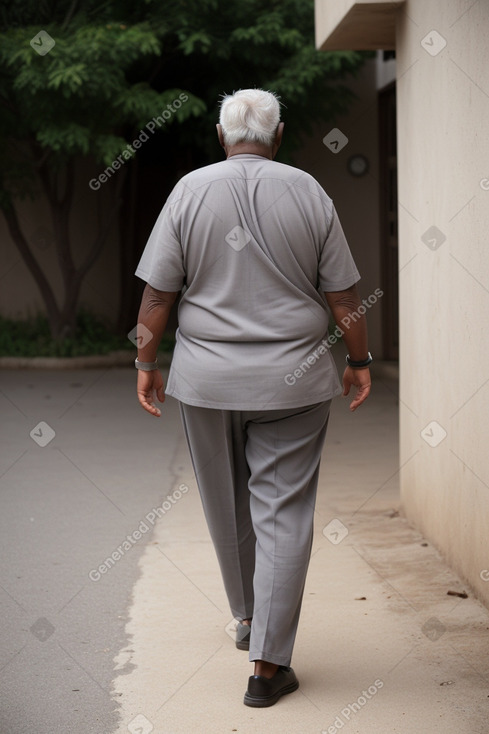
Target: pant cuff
(270, 657)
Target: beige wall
(443, 170)
(356, 198)
(443, 150)
(355, 24)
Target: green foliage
(83, 97)
(118, 64)
(32, 338)
(252, 43)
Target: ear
(220, 135)
(278, 139)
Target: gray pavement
(144, 642)
(64, 508)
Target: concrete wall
(443, 170)
(356, 199)
(443, 159)
(356, 24)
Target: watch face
(357, 165)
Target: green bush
(32, 338)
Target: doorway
(389, 241)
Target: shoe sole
(264, 701)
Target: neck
(250, 149)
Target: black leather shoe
(266, 691)
(243, 632)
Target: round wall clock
(357, 165)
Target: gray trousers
(257, 474)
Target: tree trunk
(60, 216)
(127, 249)
(52, 309)
(62, 319)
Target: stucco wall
(443, 159)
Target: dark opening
(389, 221)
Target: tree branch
(37, 150)
(46, 182)
(66, 199)
(69, 14)
(18, 237)
(60, 215)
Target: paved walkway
(149, 646)
(381, 646)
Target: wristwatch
(359, 365)
(146, 366)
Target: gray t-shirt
(252, 244)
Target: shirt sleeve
(161, 264)
(337, 269)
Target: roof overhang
(357, 25)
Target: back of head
(250, 116)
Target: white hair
(250, 116)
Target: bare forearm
(153, 315)
(355, 337)
(344, 307)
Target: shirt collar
(248, 155)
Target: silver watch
(146, 366)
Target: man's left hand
(150, 386)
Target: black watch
(359, 365)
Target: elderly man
(258, 252)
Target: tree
(73, 101)
(123, 70)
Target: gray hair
(250, 116)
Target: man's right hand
(359, 379)
(150, 386)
